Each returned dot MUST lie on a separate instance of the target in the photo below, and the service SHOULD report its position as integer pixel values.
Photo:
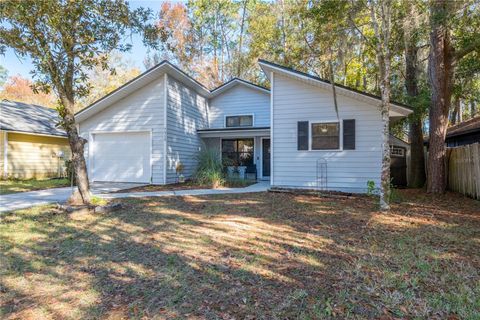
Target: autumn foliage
(20, 89)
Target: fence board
(464, 170)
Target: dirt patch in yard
(188, 185)
(246, 256)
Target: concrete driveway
(23, 200)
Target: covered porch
(249, 147)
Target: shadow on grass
(244, 256)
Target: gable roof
(138, 82)
(465, 127)
(152, 74)
(232, 83)
(29, 118)
(399, 109)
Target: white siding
(141, 110)
(348, 170)
(186, 113)
(237, 101)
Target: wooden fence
(464, 170)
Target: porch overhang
(234, 132)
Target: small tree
(65, 39)
(379, 13)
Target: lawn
(245, 256)
(15, 186)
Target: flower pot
(241, 172)
(230, 171)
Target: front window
(325, 136)
(237, 152)
(239, 121)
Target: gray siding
(186, 113)
(348, 170)
(141, 110)
(237, 101)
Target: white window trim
(239, 115)
(340, 133)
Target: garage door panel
(122, 157)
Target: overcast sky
(23, 66)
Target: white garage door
(121, 157)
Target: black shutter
(302, 135)
(349, 134)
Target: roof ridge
(328, 82)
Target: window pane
(229, 145)
(246, 159)
(240, 121)
(238, 152)
(325, 136)
(245, 145)
(230, 158)
(233, 122)
(246, 121)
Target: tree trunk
(417, 156)
(240, 42)
(417, 159)
(384, 59)
(440, 71)
(473, 109)
(456, 112)
(77, 144)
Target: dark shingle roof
(29, 118)
(465, 127)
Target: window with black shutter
(302, 135)
(349, 134)
(325, 136)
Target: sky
(22, 66)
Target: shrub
(210, 168)
(372, 190)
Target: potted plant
(241, 172)
(179, 169)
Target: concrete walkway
(257, 187)
(23, 200)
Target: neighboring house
(142, 130)
(399, 161)
(466, 132)
(31, 145)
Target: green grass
(245, 256)
(15, 186)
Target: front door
(266, 157)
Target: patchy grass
(15, 186)
(188, 185)
(245, 256)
